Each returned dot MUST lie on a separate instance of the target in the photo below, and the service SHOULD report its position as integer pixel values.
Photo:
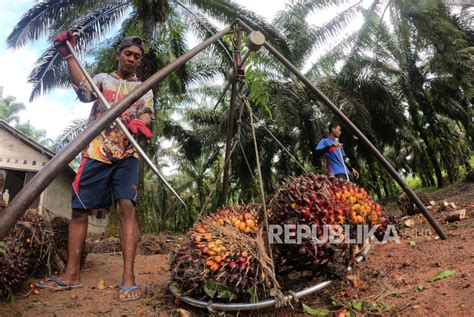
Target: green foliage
(441, 275)
(315, 311)
(258, 79)
(10, 109)
(222, 291)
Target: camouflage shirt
(111, 144)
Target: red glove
(138, 126)
(60, 43)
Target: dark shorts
(98, 184)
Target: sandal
(128, 290)
(60, 285)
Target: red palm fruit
(232, 265)
(302, 250)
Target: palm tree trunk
(310, 134)
(230, 123)
(230, 134)
(374, 177)
(429, 148)
(200, 190)
(413, 89)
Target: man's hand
(138, 126)
(60, 43)
(336, 144)
(356, 173)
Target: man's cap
(131, 40)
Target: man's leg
(128, 241)
(76, 239)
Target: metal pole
(46, 175)
(325, 100)
(122, 125)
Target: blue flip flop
(128, 290)
(60, 285)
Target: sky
(54, 110)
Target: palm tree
(426, 80)
(163, 24)
(38, 135)
(10, 109)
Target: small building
(20, 159)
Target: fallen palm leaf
(315, 311)
(441, 275)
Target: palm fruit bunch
(221, 257)
(25, 252)
(60, 228)
(319, 200)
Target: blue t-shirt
(333, 158)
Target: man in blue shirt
(334, 154)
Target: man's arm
(146, 118)
(73, 67)
(323, 150)
(78, 80)
(75, 72)
(349, 167)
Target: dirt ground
(393, 281)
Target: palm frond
(351, 105)
(206, 117)
(36, 22)
(364, 35)
(190, 143)
(202, 68)
(228, 11)
(70, 133)
(308, 6)
(44, 75)
(176, 28)
(87, 30)
(203, 28)
(325, 63)
(93, 27)
(335, 26)
(181, 161)
(209, 91)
